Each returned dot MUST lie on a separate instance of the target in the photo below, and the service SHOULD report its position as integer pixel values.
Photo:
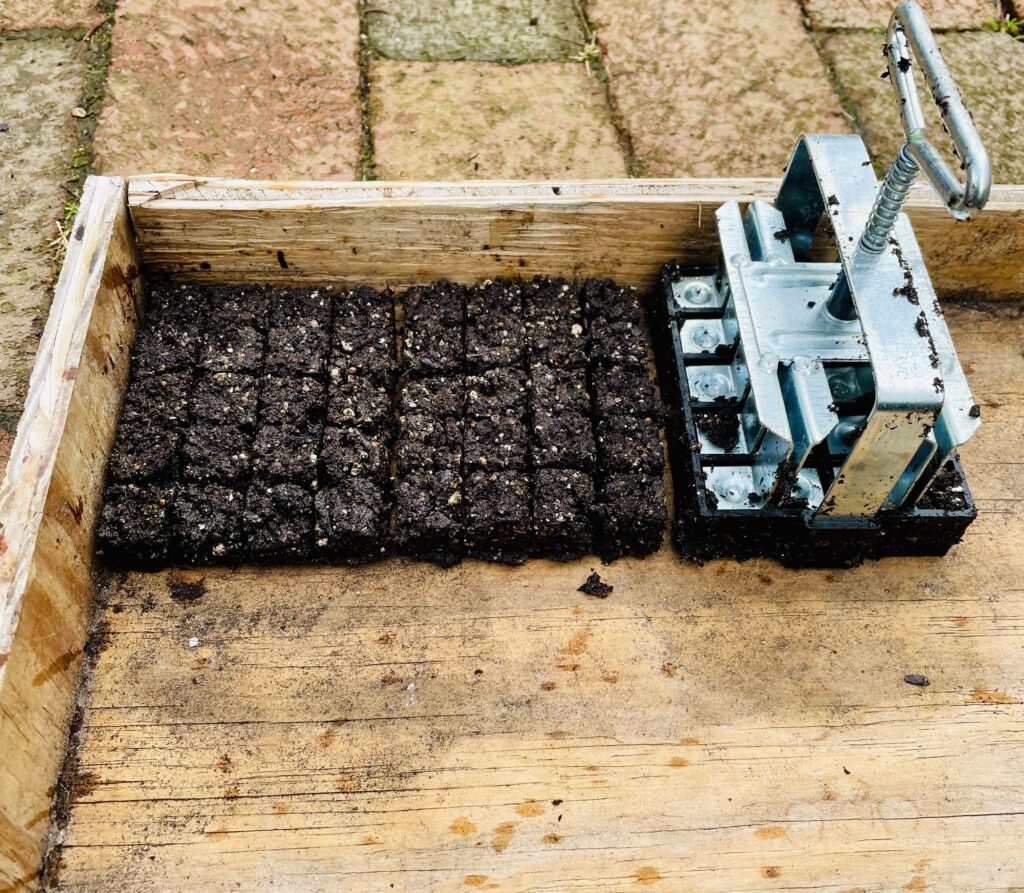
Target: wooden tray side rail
(405, 233)
(49, 501)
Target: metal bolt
(698, 293)
(704, 338)
(842, 383)
(803, 488)
(713, 384)
(733, 489)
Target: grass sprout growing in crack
(1012, 26)
(588, 54)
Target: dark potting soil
(271, 424)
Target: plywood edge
(49, 498)
(404, 233)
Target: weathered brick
(265, 89)
(41, 81)
(472, 120)
(714, 89)
(941, 14)
(19, 15)
(483, 30)
(989, 69)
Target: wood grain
(726, 728)
(48, 504)
(403, 233)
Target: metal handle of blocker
(909, 32)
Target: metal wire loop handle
(909, 32)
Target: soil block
(206, 524)
(499, 391)
(229, 346)
(166, 346)
(217, 453)
(296, 350)
(562, 440)
(349, 454)
(495, 329)
(367, 310)
(493, 443)
(351, 522)
(355, 400)
(432, 343)
(167, 299)
(287, 453)
(436, 398)
(363, 337)
(631, 515)
(563, 512)
(413, 456)
(559, 343)
(225, 398)
(278, 521)
(299, 334)
(555, 327)
(144, 451)
(243, 305)
(431, 432)
(556, 391)
(295, 401)
(624, 390)
(429, 516)
(498, 516)
(162, 398)
(629, 444)
(619, 342)
(603, 299)
(132, 529)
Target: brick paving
(481, 30)
(478, 120)
(21, 15)
(412, 89)
(989, 69)
(702, 94)
(865, 14)
(41, 81)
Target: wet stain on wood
(646, 876)
(56, 667)
(503, 835)
(462, 826)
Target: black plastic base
(703, 530)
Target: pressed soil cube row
(627, 416)
(429, 511)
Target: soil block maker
(818, 406)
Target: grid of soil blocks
(256, 426)
(259, 424)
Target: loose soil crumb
(596, 587)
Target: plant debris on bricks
(505, 420)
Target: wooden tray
(725, 728)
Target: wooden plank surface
(726, 728)
(402, 233)
(49, 500)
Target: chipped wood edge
(49, 500)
